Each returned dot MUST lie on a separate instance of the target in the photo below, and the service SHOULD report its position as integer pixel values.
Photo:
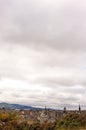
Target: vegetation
(70, 121)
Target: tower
(45, 108)
(64, 109)
(45, 111)
(79, 108)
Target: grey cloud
(43, 43)
(63, 28)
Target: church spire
(79, 108)
(64, 109)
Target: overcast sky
(43, 52)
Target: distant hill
(19, 106)
(16, 106)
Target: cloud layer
(43, 52)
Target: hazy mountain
(19, 106)
(16, 106)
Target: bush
(72, 121)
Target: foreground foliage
(69, 121)
(72, 121)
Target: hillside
(16, 106)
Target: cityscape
(42, 64)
